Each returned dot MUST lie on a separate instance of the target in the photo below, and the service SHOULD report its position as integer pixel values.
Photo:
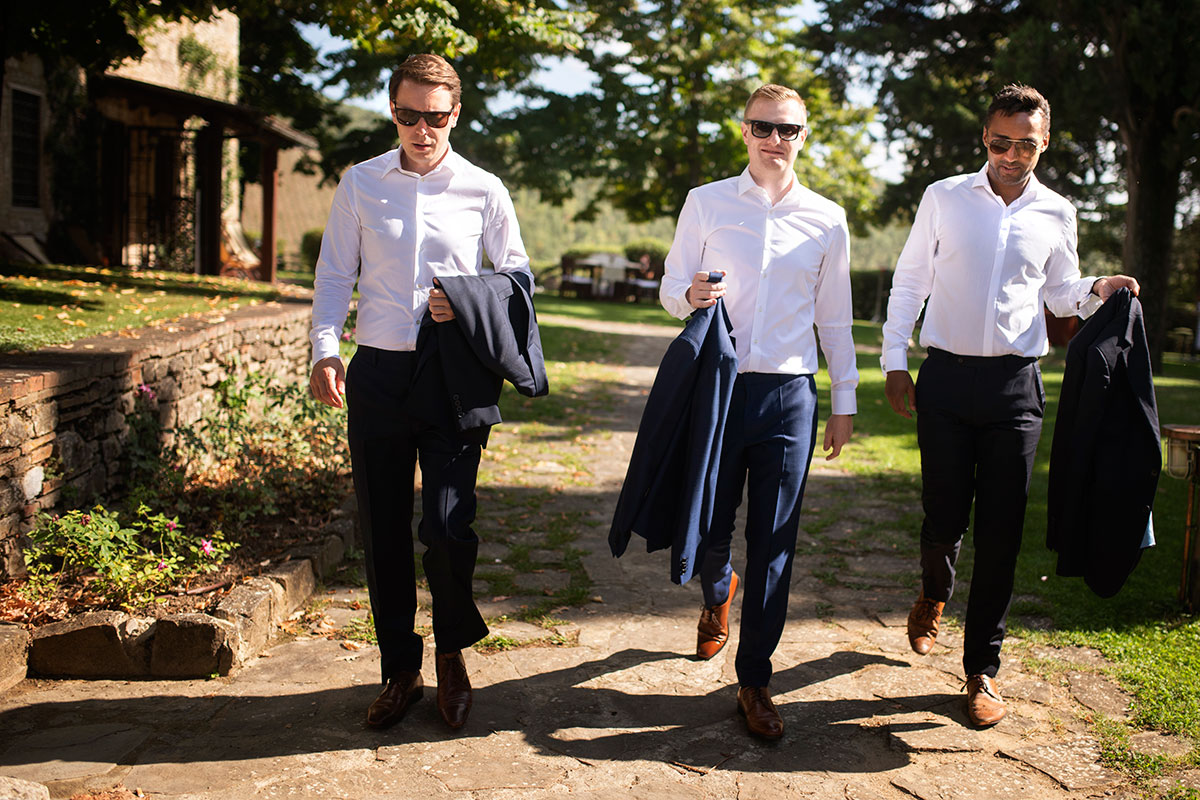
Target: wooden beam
(270, 190)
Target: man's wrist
(1096, 285)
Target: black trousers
(978, 423)
(385, 446)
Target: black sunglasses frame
(757, 125)
(431, 117)
(1025, 148)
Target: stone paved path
(625, 714)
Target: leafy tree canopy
(1121, 77)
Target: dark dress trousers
(1107, 453)
(670, 484)
(978, 423)
(434, 405)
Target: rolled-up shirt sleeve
(336, 274)
(833, 316)
(683, 260)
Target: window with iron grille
(26, 148)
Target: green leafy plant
(121, 564)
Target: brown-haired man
(399, 221)
(986, 249)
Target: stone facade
(196, 57)
(64, 410)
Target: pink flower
(162, 565)
(146, 391)
(206, 547)
(172, 525)
(346, 336)
(86, 519)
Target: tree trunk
(1153, 174)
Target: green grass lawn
(47, 305)
(650, 313)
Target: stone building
(146, 175)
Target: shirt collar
(1031, 188)
(746, 185)
(452, 163)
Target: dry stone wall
(64, 410)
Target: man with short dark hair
(400, 222)
(987, 250)
(782, 253)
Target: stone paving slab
(1099, 694)
(985, 779)
(1074, 763)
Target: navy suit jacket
(462, 365)
(671, 482)
(1107, 454)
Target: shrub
(585, 250)
(118, 564)
(310, 248)
(869, 292)
(655, 248)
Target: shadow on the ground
(550, 709)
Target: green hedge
(869, 292)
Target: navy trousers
(978, 423)
(385, 446)
(769, 439)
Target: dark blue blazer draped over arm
(462, 364)
(1107, 454)
(669, 488)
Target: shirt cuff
(324, 346)
(842, 401)
(1090, 304)
(893, 360)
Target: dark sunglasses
(761, 130)
(1025, 148)
(408, 117)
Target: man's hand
(837, 433)
(1104, 287)
(328, 381)
(702, 294)
(439, 305)
(901, 392)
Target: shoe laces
(926, 611)
(985, 686)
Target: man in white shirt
(783, 255)
(399, 221)
(987, 249)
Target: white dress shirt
(986, 269)
(394, 231)
(787, 268)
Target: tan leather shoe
(985, 706)
(454, 689)
(713, 631)
(397, 697)
(923, 622)
(762, 720)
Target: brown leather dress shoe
(985, 706)
(397, 697)
(923, 623)
(454, 689)
(713, 631)
(762, 720)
